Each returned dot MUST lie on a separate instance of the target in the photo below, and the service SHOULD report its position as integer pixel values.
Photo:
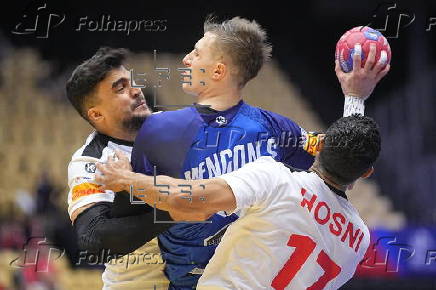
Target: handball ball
(363, 35)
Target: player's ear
(219, 71)
(368, 173)
(94, 115)
(321, 138)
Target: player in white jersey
(296, 230)
(107, 225)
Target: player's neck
(122, 135)
(327, 179)
(222, 101)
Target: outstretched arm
(184, 199)
(251, 186)
(357, 85)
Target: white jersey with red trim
(138, 270)
(294, 232)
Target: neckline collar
(337, 191)
(115, 140)
(207, 109)
(215, 118)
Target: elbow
(89, 242)
(99, 242)
(89, 236)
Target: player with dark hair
(351, 146)
(296, 229)
(85, 91)
(108, 225)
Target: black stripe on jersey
(96, 146)
(334, 189)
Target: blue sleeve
(164, 140)
(140, 162)
(299, 157)
(290, 139)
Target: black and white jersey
(81, 170)
(141, 269)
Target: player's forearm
(144, 188)
(97, 230)
(184, 199)
(205, 196)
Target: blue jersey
(190, 144)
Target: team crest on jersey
(221, 120)
(90, 167)
(85, 189)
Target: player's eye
(120, 88)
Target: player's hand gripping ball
(358, 40)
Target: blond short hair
(244, 41)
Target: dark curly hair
(86, 76)
(351, 146)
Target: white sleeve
(255, 182)
(83, 189)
